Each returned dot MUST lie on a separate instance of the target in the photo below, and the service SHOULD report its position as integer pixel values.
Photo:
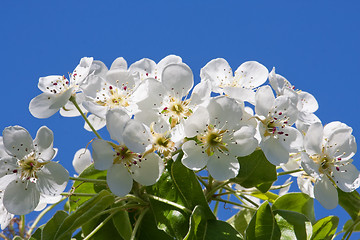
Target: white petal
(246, 143)
(313, 139)
(96, 109)
(291, 139)
(218, 72)
(195, 157)
(52, 179)
(309, 165)
(345, 151)
(82, 70)
(119, 180)
(240, 94)
(148, 116)
(332, 127)
(308, 102)
(135, 136)
(149, 170)
(93, 84)
(7, 166)
(326, 193)
(264, 100)
(116, 120)
(82, 159)
(17, 141)
(200, 93)
(102, 154)
(284, 109)
(54, 82)
(170, 59)
(251, 74)
(145, 67)
(196, 122)
(305, 186)
(118, 77)
(47, 104)
(44, 144)
(119, 63)
(98, 68)
(275, 153)
(21, 198)
(224, 112)
(223, 167)
(178, 79)
(96, 122)
(347, 177)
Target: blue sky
(315, 45)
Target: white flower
(168, 99)
(82, 159)
(276, 115)
(218, 138)
(57, 91)
(5, 216)
(328, 160)
(248, 76)
(305, 102)
(27, 171)
(125, 161)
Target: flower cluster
(154, 113)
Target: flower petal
(308, 102)
(21, 198)
(274, 151)
(224, 112)
(251, 74)
(244, 142)
(218, 72)
(347, 177)
(17, 141)
(326, 193)
(149, 170)
(82, 70)
(264, 100)
(43, 143)
(196, 122)
(116, 120)
(178, 79)
(223, 167)
(52, 179)
(135, 136)
(102, 154)
(194, 156)
(119, 180)
(313, 139)
(82, 159)
(96, 122)
(241, 94)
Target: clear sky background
(314, 44)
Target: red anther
(125, 88)
(280, 133)
(134, 162)
(293, 87)
(274, 130)
(74, 74)
(155, 77)
(165, 108)
(337, 169)
(147, 74)
(280, 113)
(286, 122)
(67, 82)
(31, 164)
(118, 153)
(339, 159)
(139, 156)
(286, 134)
(275, 118)
(55, 83)
(15, 171)
(110, 87)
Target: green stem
(38, 218)
(137, 223)
(130, 197)
(217, 186)
(3, 236)
(350, 230)
(237, 193)
(169, 203)
(289, 172)
(22, 226)
(233, 203)
(201, 180)
(99, 226)
(73, 100)
(217, 203)
(88, 180)
(68, 194)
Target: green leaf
(198, 224)
(122, 223)
(255, 171)
(17, 238)
(325, 228)
(87, 187)
(190, 188)
(107, 231)
(350, 201)
(263, 225)
(349, 223)
(85, 213)
(37, 234)
(148, 229)
(241, 220)
(169, 218)
(293, 225)
(50, 228)
(297, 202)
(268, 196)
(217, 229)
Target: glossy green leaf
(50, 228)
(217, 229)
(169, 218)
(87, 187)
(241, 220)
(268, 196)
(148, 229)
(107, 230)
(293, 225)
(187, 184)
(263, 225)
(325, 228)
(198, 224)
(37, 234)
(350, 202)
(349, 223)
(85, 213)
(123, 225)
(297, 202)
(255, 171)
